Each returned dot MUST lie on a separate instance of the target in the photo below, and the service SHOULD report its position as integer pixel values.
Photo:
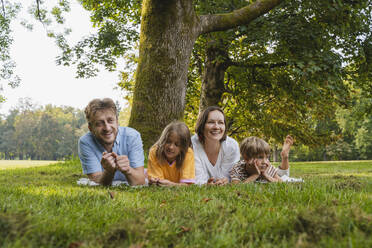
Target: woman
(215, 153)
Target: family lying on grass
(109, 153)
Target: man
(109, 152)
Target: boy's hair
(184, 136)
(202, 119)
(252, 147)
(99, 104)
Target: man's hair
(202, 119)
(99, 104)
(252, 147)
(182, 131)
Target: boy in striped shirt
(256, 166)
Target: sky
(45, 82)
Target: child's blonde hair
(252, 147)
(184, 136)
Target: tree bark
(169, 29)
(214, 74)
(168, 33)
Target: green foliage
(8, 12)
(287, 69)
(48, 133)
(356, 124)
(46, 208)
(117, 24)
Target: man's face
(104, 126)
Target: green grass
(43, 207)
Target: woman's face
(214, 128)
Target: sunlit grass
(12, 164)
(44, 207)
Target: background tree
(47, 133)
(168, 32)
(285, 71)
(170, 28)
(8, 12)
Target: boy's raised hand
(288, 142)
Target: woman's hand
(218, 181)
(222, 181)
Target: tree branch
(38, 10)
(246, 65)
(220, 22)
(2, 3)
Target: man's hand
(108, 162)
(122, 164)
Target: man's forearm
(104, 178)
(135, 177)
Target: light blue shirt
(128, 142)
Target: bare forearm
(285, 163)
(251, 178)
(165, 182)
(135, 177)
(274, 179)
(103, 178)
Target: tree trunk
(214, 75)
(275, 154)
(168, 33)
(169, 29)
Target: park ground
(43, 206)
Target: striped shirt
(239, 172)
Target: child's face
(172, 147)
(261, 160)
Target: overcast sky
(45, 82)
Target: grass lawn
(43, 207)
(11, 164)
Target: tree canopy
(282, 65)
(284, 71)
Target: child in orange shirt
(171, 158)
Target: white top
(228, 155)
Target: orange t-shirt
(186, 174)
